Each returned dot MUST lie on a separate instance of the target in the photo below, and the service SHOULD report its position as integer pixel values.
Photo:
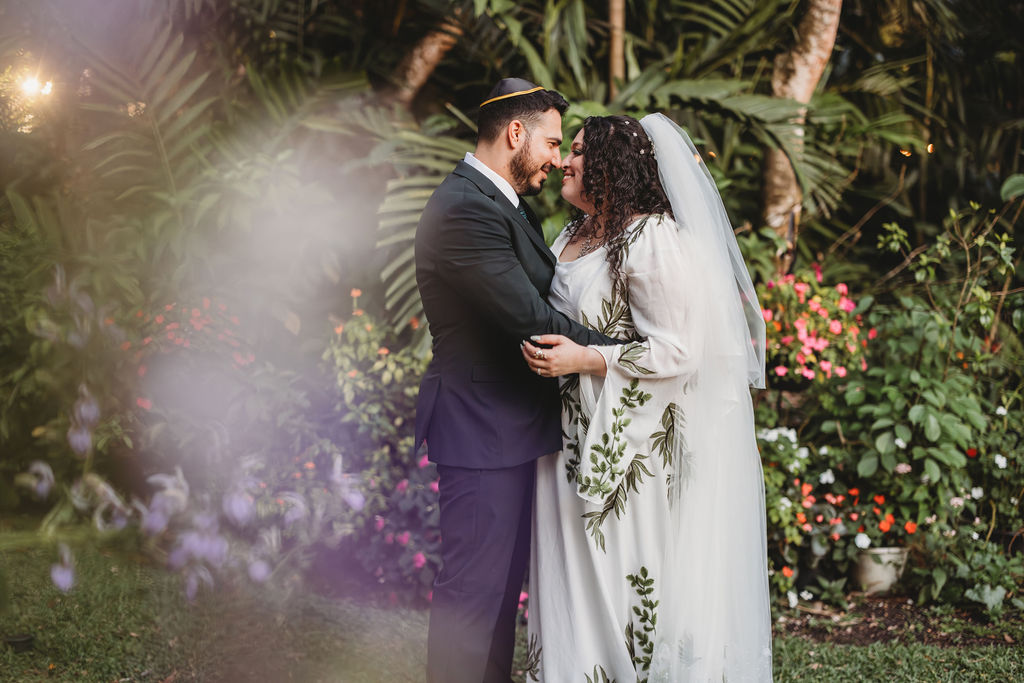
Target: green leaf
(868, 465)
(931, 468)
(931, 428)
(903, 432)
(916, 414)
(1013, 187)
(885, 443)
(939, 576)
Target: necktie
(522, 212)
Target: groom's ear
(515, 134)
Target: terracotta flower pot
(878, 569)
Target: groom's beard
(522, 170)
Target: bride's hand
(564, 357)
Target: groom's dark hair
(495, 116)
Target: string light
(931, 148)
(32, 87)
(905, 152)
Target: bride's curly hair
(620, 178)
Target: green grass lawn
(127, 621)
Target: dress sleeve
(477, 259)
(624, 413)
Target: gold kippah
(511, 87)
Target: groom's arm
(475, 257)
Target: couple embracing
(588, 408)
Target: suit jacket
(483, 273)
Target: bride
(649, 557)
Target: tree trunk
(617, 46)
(422, 60)
(795, 76)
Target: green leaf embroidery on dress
(617, 501)
(532, 669)
(664, 442)
(599, 676)
(606, 455)
(631, 353)
(615, 319)
(639, 636)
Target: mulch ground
(897, 619)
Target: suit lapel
(530, 226)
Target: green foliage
(395, 536)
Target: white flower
(789, 434)
(794, 600)
(793, 467)
(1001, 410)
(930, 519)
(823, 450)
(769, 435)
(862, 541)
(785, 503)
(903, 468)
(900, 443)
(977, 492)
(802, 452)
(956, 502)
(806, 595)
(1013, 501)
(949, 533)
(974, 535)
(1000, 461)
(827, 477)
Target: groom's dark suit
(483, 272)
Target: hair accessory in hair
(510, 87)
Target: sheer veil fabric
(720, 623)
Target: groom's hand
(562, 357)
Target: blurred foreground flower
(63, 573)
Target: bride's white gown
(616, 577)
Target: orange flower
(310, 465)
(356, 292)
(339, 329)
(854, 492)
(383, 351)
(144, 403)
(879, 499)
(801, 517)
(414, 323)
(911, 527)
(806, 488)
(787, 572)
(126, 345)
(885, 525)
(357, 312)
(353, 373)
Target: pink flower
(770, 284)
(813, 305)
(820, 344)
(835, 327)
(418, 560)
(389, 538)
(872, 333)
(781, 370)
(826, 366)
(800, 358)
(786, 340)
(430, 596)
(841, 371)
(523, 596)
(841, 288)
(823, 312)
(767, 314)
(379, 523)
(403, 538)
(808, 373)
(402, 486)
(424, 461)
(144, 403)
(863, 364)
(800, 324)
(434, 486)
(817, 271)
(846, 305)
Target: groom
(483, 271)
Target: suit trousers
(485, 548)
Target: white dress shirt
(499, 182)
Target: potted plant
(882, 542)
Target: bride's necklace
(588, 246)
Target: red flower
(787, 572)
(854, 492)
(972, 452)
(144, 403)
(879, 499)
(911, 527)
(885, 525)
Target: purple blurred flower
(355, 500)
(203, 546)
(80, 439)
(63, 573)
(238, 507)
(297, 507)
(259, 571)
(43, 478)
(86, 410)
(192, 579)
(165, 504)
(154, 521)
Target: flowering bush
(813, 332)
(395, 537)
